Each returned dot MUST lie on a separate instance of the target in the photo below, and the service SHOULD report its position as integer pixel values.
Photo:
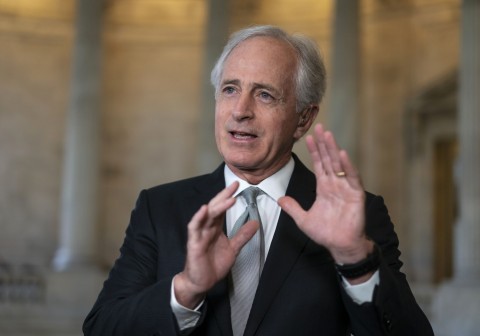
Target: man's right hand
(210, 253)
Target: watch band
(369, 264)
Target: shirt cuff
(363, 292)
(186, 318)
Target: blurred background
(102, 98)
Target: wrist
(352, 254)
(185, 293)
(363, 269)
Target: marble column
(79, 195)
(457, 302)
(216, 35)
(467, 230)
(343, 111)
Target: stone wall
(151, 97)
(35, 55)
(406, 47)
(151, 105)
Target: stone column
(342, 115)
(217, 32)
(79, 197)
(457, 303)
(467, 230)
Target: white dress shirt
(273, 188)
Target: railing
(21, 283)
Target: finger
(333, 152)
(197, 221)
(292, 208)
(218, 209)
(352, 175)
(326, 159)
(244, 234)
(329, 151)
(221, 203)
(229, 190)
(326, 150)
(226, 193)
(314, 155)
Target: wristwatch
(367, 265)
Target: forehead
(262, 56)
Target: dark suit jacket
(299, 292)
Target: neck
(255, 176)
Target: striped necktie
(248, 266)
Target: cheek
(220, 113)
(285, 133)
(219, 116)
(217, 126)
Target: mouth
(242, 135)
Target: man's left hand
(336, 219)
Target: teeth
(242, 136)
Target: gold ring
(341, 174)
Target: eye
(266, 97)
(228, 90)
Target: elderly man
(262, 246)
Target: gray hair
(310, 83)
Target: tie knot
(251, 194)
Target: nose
(243, 108)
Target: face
(256, 123)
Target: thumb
(243, 235)
(292, 208)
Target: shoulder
(192, 187)
(175, 186)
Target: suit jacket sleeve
(393, 310)
(134, 300)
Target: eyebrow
(231, 81)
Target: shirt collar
(274, 186)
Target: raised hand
(210, 253)
(336, 219)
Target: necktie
(248, 266)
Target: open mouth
(242, 136)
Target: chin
(241, 162)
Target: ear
(305, 119)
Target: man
(328, 260)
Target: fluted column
(467, 230)
(217, 31)
(457, 302)
(342, 116)
(79, 195)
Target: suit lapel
(206, 188)
(287, 245)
